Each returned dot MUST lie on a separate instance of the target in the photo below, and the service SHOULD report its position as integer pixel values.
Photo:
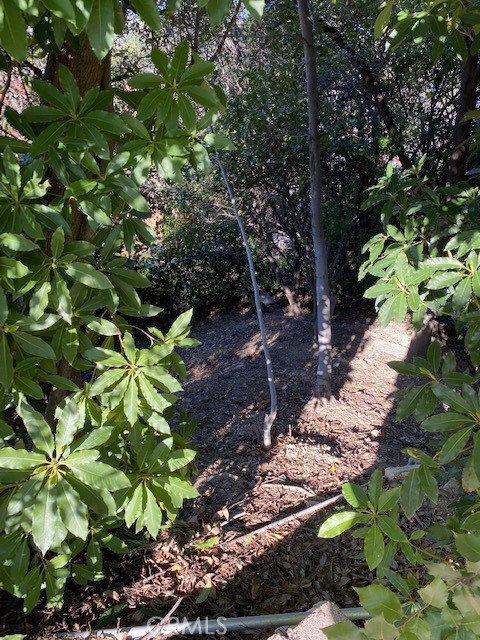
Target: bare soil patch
(316, 449)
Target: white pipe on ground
(207, 627)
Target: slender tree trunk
(466, 101)
(272, 414)
(322, 286)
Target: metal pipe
(208, 627)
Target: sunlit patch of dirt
(316, 449)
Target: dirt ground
(208, 562)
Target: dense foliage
(426, 260)
(86, 392)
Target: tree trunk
(322, 286)
(466, 101)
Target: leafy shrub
(199, 262)
(426, 259)
(85, 443)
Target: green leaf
(98, 475)
(73, 510)
(435, 593)
(468, 545)
(217, 11)
(391, 529)
(13, 34)
(429, 483)
(340, 522)
(20, 459)
(45, 519)
(409, 402)
(130, 402)
(255, 8)
(375, 486)
(454, 445)
(472, 522)
(180, 459)
(48, 138)
(6, 362)
(34, 345)
(411, 493)
(354, 495)
(441, 422)
(344, 631)
(16, 242)
(71, 418)
(383, 18)
(148, 11)
(100, 27)
(374, 547)
(135, 505)
(219, 142)
(377, 599)
(37, 427)
(88, 275)
(152, 516)
(450, 398)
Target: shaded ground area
(207, 562)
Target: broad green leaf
(217, 11)
(340, 522)
(152, 516)
(37, 427)
(34, 345)
(106, 380)
(411, 493)
(450, 398)
(374, 547)
(354, 495)
(20, 459)
(60, 8)
(472, 522)
(73, 510)
(98, 475)
(130, 401)
(71, 418)
(375, 486)
(391, 529)
(10, 268)
(106, 357)
(383, 18)
(219, 142)
(13, 34)
(468, 545)
(180, 459)
(454, 445)
(377, 599)
(448, 421)
(255, 8)
(135, 505)
(3, 308)
(100, 27)
(46, 521)
(148, 11)
(6, 362)
(410, 401)
(344, 631)
(48, 138)
(88, 275)
(428, 483)
(16, 242)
